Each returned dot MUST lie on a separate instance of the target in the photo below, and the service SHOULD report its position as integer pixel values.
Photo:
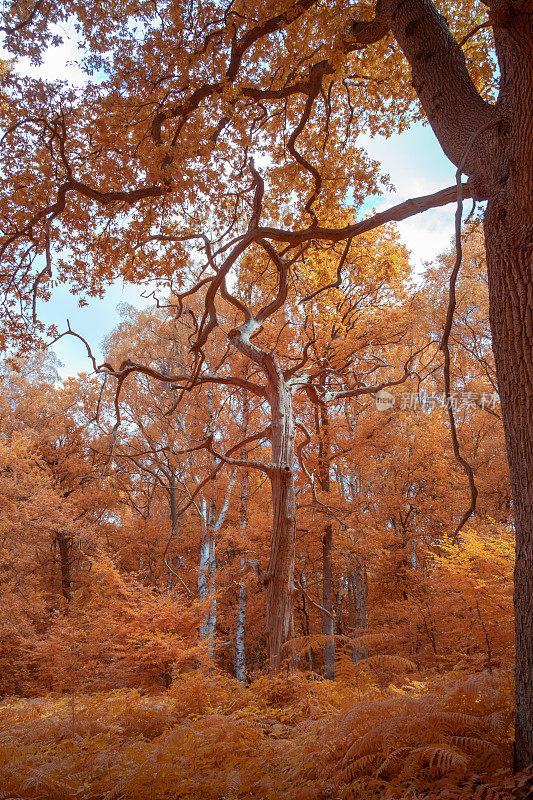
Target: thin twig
(452, 303)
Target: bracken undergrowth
(287, 737)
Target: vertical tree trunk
(280, 573)
(508, 226)
(240, 652)
(279, 578)
(64, 545)
(339, 618)
(174, 518)
(240, 634)
(172, 491)
(212, 572)
(357, 584)
(307, 627)
(328, 622)
(204, 577)
(509, 240)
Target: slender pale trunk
(206, 573)
(306, 625)
(212, 572)
(240, 652)
(328, 620)
(211, 525)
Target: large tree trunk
(494, 146)
(509, 243)
(509, 238)
(280, 574)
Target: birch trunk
(206, 573)
(240, 651)
(328, 621)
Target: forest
(275, 540)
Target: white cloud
(416, 166)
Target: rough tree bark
(280, 573)
(509, 236)
(357, 591)
(64, 545)
(509, 242)
(493, 145)
(279, 577)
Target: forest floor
(286, 737)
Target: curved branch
(237, 462)
(11, 29)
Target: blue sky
(413, 160)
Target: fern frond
(392, 763)
(389, 663)
(456, 723)
(358, 767)
(303, 644)
(371, 742)
(439, 760)
(480, 748)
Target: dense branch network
(467, 145)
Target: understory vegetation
(291, 736)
